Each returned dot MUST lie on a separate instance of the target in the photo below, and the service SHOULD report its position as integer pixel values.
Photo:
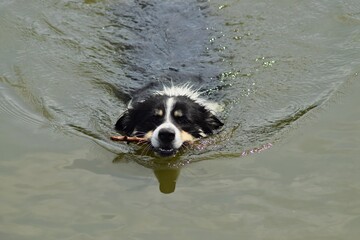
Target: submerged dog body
(169, 117)
(166, 42)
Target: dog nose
(166, 135)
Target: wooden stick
(129, 139)
(199, 145)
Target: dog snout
(166, 135)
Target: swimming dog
(169, 117)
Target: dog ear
(212, 123)
(125, 124)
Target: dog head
(168, 119)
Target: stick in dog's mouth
(129, 139)
(144, 140)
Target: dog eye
(182, 120)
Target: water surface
(285, 72)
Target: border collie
(169, 117)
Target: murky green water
(288, 75)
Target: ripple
(14, 107)
(266, 82)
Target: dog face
(168, 122)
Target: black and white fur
(169, 117)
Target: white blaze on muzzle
(167, 135)
(158, 138)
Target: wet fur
(175, 109)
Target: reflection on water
(167, 178)
(167, 169)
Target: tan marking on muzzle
(186, 137)
(148, 135)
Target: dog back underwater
(163, 51)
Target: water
(286, 73)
